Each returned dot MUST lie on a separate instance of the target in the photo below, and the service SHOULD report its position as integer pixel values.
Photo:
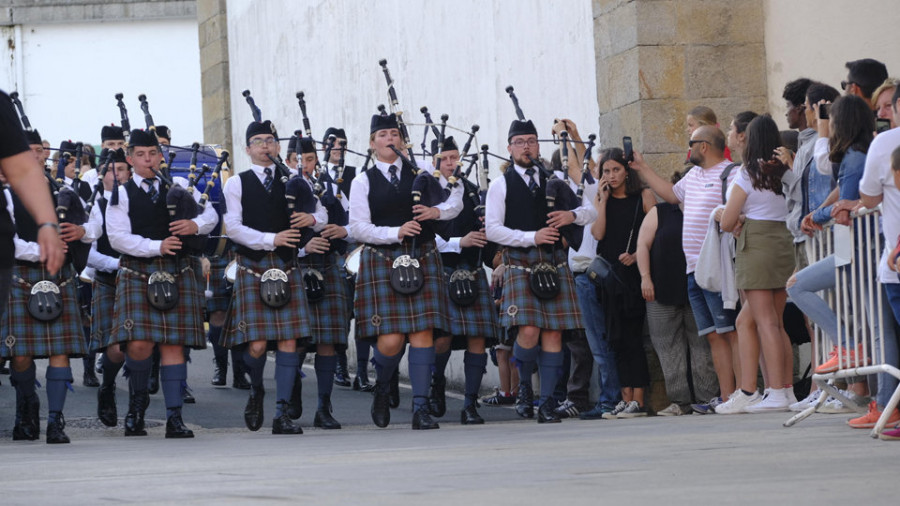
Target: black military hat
(521, 128)
(292, 145)
(67, 147)
(142, 138)
(449, 145)
(258, 128)
(117, 156)
(33, 137)
(163, 131)
(337, 132)
(306, 145)
(112, 133)
(380, 122)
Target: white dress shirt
(98, 260)
(118, 224)
(361, 225)
(495, 214)
(31, 251)
(335, 190)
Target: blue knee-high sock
(362, 357)
(421, 361)
(549, 366)
(138, 374)
(385, 366)
(475, 364)
(440, 363)
(57, 377)
(172, 379)
(110, 370)
(255, 367)
(325, 367)
(24, 383)
(286, 364)
(525, 360)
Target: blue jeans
(595, 330)
(814, 278)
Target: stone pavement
(745, 459)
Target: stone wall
(35, 12)
(656, 59)
(214, 68)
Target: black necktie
(151, 189)
(531, 184)
(447, 192)
(335, 169)
(395, 182)
(268, 181)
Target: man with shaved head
(700, 191)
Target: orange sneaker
(843, 357)
(869, 420)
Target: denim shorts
(708, 310)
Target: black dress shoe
(106, 406)
(90, 378)
(240, 382)
(525, 401)
(361, 383)
(253, 413)
(470, 416)
(187, 396)
(395, 389)
(323, 418)
(28, 425)
(284, 425)
(176, 429)
(55, 430)
(341, 375)
(220, 374)
(381, 405)
(547, 413)
(295, 406)
(134, 419)
(437, 403)
(422, 420)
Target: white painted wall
(73, 71)
(815, 38)
(454, 57)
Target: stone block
(602, 76)
(666, 164)
(615, 31)
(662, 125)
(212, 29)
(209, 8)
(725, 71)
(623, 78)
(656, 22)
(661, 73)
(214, 52)
(600, 7)
(719, 22)
(215, 79)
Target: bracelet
(55, 226)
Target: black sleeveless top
(667, 263)
(623, 221)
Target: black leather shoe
(176, 429)
(284, 425)
(341, 378)
(470, 416)
(106, 406)
(220, 374)
(134, 420)
(90, 378)
(395, 389)
(253, 413)
(525, 401)
(323, 418)
(381, 405)
(28, 427)
(240, 382)
(187, 396)
(55, 430)
(547, 413)
(422, 420)
(295, 406)
(437, 403)
(361, 383)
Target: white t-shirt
(878, 179)
(760, 204)
(701, 191)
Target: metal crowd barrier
(858, 303)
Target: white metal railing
(859, 306)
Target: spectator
(794, 94)
(696, 118)
(863, 77)
(882, 100)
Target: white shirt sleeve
(451, 207)
(820, 154)
(321, 216)
(449, 246)
(494, 215)
(361, 226)
(93, 229)
(25, 250)
(234, 225)
(118, 228)
(102, 262)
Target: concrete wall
(814, 38)
(454, 57)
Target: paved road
(746, 459)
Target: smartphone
(823, 111)
(882, 125)
(628, 149)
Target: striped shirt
(701, 191)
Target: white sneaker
(808, 402)
(672, 410)
(737, 402)
(834, 406)
(776, 399)
(792, 398)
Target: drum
(352, 263)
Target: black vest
(26, 228)
(392, 207)
(464, 223)
(263, 211)
(147, 219)
(524, 211)
(103, 245)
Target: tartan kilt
(330, 317)
(25, 336)
(135, 320)
(102, 305)
(380, 310)
(221, 291)
(476, 320)
(519, 306)
(250, 319)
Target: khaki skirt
(764, 256)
